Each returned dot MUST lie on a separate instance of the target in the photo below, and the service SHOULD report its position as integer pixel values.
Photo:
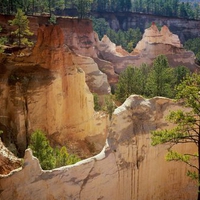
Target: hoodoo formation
(153, 43)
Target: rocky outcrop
(95, 78)
(79, 37)
(153, 36)
(153, 43)
(107, 68)
(109, 47)
(127, 168)
(8, 161)
(47, 90)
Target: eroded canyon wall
(8, 161)
(127, 168)
(79, 37)
(152, 44)
(46, 89)
(184, 28)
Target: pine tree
(50, 158)
(131, 81)
(83, 7)
(125, 84)
(160, 79)
(21, 23)
(109, 106)
(187, 129)
(97, 106)
(42, 150)
(64, 158)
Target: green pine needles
(50, 158)
(187, 126)
(158, 80)
(22, 31)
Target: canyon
(128, 167)
(50, 88)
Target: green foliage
(159, 7)
(30, 6)
(97, 106)
(175, 8)
(187, 129)
(100, 26)
(127, 39)
(83, 7)
(160, 78)
(3, 40)
(180, 72)
(22, 29)
(64, 158)
(49, 158)
(193, 45)
(52, 19)
(188, 90)
(175, 156)
(126, 84)
(42, 150)
(109, 106)
(41, 6)
(171, 8)
(192, 174)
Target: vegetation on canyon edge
(83, 8)
(22, 31)
(187, 129)
(50, 157)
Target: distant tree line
(172, 8)
(35, 7)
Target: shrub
(50, 158)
